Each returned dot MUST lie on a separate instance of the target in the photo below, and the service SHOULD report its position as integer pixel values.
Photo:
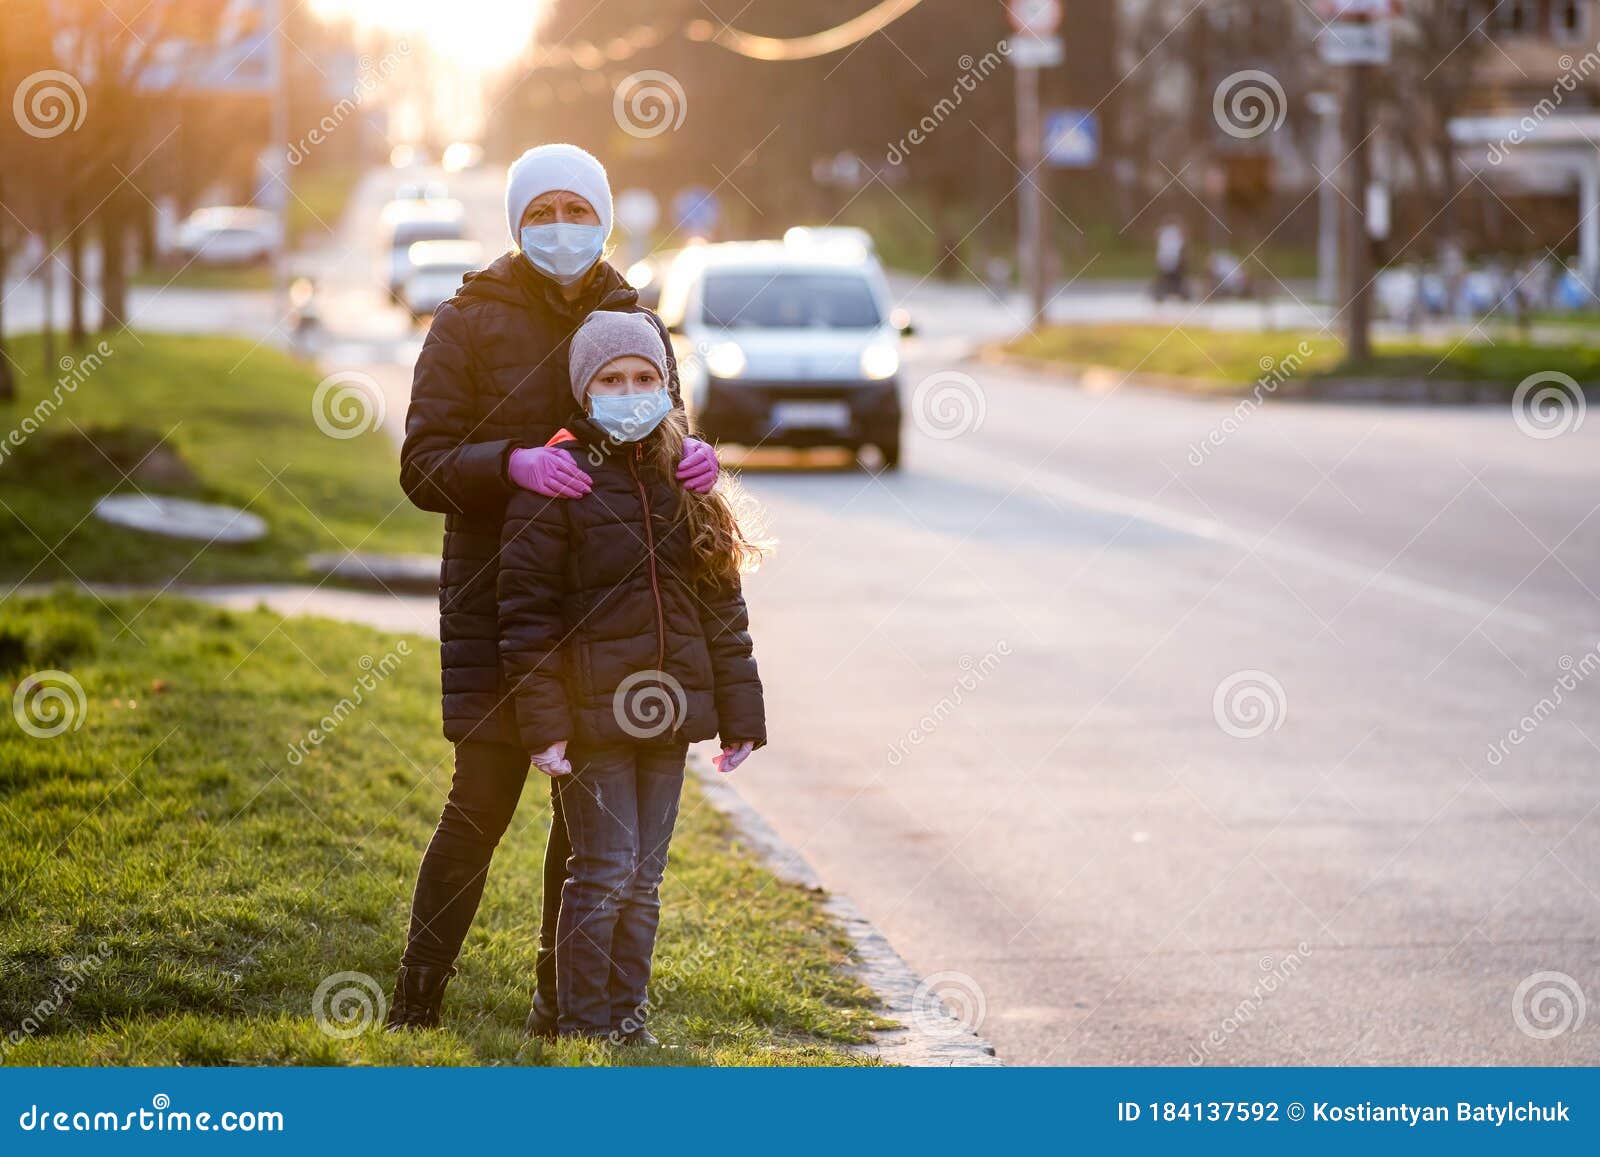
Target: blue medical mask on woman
(563, 251)
(629, 417)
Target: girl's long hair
(724, 531)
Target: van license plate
(811, 415)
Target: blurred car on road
(227, 235)
(437, 268)
(407, 222)
(843, 239)
(647, 274)
(421, 191)
(460, 156)
(786, 345)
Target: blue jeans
(620, 805)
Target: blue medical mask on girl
(630, 417)
(562, 250)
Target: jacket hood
(511, 279)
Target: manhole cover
(180, 518)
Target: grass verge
(174, 888)
(195, 276)
(214, 419)
(1229, 359)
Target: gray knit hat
(607, 335)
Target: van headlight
(725, 360)
(879, 360)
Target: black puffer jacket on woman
(605, 633)
(492, 377)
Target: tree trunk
(113, 263)
(8, 384)
(76, 330)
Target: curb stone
(1103, 379)
(926, 1037)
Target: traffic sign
(695, 210)
(1071, 138)
(637, 210)
(1035, 18)
(1035, 52)
(1357, 31)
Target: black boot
(418, 993)
(541, 1020)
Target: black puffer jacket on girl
(492, 377)
(606, 635)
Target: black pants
(483, 797)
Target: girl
(624, 637)
(490, 390)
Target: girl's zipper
(650, 545)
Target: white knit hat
(545, 168)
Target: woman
(490, 391)
(625, 637)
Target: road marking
(1094, 497)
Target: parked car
(786, 345)
(459, 156)
(647, 274)
(227, 235)
(421, 191)
(437, 268)
(408, 222)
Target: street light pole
(1358, 299)
(1030, 238)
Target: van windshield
(799, 300)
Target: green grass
(206, 277)
(320, 197)
(1231, 359)
(214, 884)
(234, 424)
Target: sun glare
(471, 33)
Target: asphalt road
(993, 681)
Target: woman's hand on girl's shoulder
(733, 754)
(549, 471)
(698, 468)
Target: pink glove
(548, 471)
(553, 759)
(698, 467)
(733, 754)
